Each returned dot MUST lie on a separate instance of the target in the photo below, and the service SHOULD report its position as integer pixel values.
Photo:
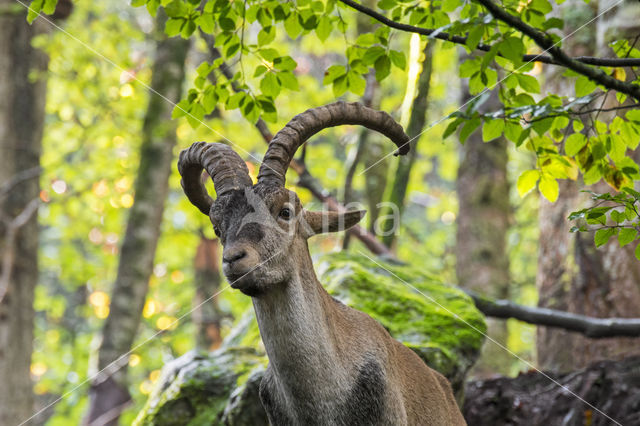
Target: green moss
(195, 390)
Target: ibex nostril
(234, 256)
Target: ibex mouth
(246, 283)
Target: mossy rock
(439, 322)
(220, 388)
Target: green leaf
(266, 35)
(270, 85)
(34, 10)
(333, 72)
(372, 54)
(584, 86)
(474, 37)
(324, 28)
(574, 143)
(617, 216)
(285, 63)
(637, 252)
(626, 235)
(173, 26)
(340, 85)
(180, 110)
(260, 69)
(383, 67)
(468, 128)
(451, 128)
(528, 83)
(269, 54)
(527, 181)
(542, 6)
(176, 9)
(492, 129)
(603, 235)
(398, 59)
(549, 188)
(512, 48)
(288, 80)
(207, 23)
(356, 83)
(512, 131)
(234, 100)
(49, 6)
(292, 25)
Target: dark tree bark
(108, 394)
(573, 275)
(415, 127)
(21, 127)
(206, 314)
(481, 237)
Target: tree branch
(595, 328)
(434, 33)
(546, 43)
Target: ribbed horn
(284, 144)
(224, 165)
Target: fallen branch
(435, 33)
(596, 328)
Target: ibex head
(263, 227)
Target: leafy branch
(619, 217)
(464, 40)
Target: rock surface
(612, 387)
(440, 323)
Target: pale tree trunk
(207, 315)
(572, 274)
(481, 237)
(108, 393)
(415, 127)
(21, 127)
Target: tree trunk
(572, 274)
(415, 127)
(206, 314)
(108, 394)
(21, 127)
(481, 237)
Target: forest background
(103, 254)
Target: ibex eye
(285, 213)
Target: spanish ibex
(328, 364)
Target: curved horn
(224, 165)
(284, 144)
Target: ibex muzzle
(329, 364)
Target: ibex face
(263, 227)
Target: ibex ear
(329, 221)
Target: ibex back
(328, 364)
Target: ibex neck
(296, 325)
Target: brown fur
(329, 363)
